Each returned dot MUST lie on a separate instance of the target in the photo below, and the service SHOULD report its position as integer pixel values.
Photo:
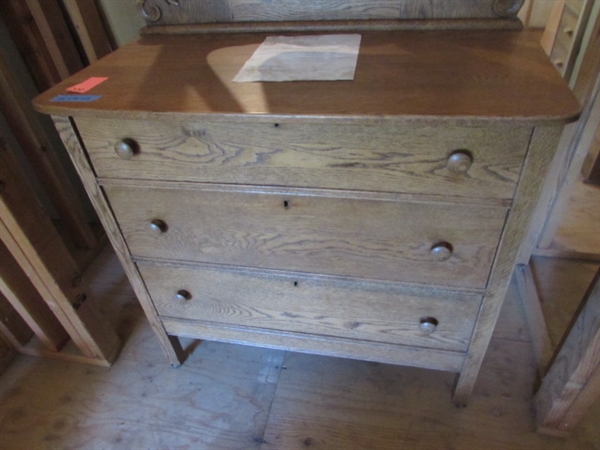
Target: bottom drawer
(318, 306)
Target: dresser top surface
(460, 75)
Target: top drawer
(389, 158)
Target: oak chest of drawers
(377, 219)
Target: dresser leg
(176, 353)
(466, 378)
(463, 386)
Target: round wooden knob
(428, 325)
(125, 149)
(441, 251)
(459, 162)
(157, 226)
(568, 31)
(183, 295)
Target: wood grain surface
(18, 290)
(356, 310)
(330, 180)
(381, 352)
(514, 235)
(33, 241)
(452, 75)
(64, 126)
(370, 239)
(399, 158)
(201, 11)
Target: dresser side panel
(80, 160)
(537, 162)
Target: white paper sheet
(299, 58)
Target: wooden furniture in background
(35, 245)
(89, 28)
(574, 144)
(40, 274)
(41, 31)
(591, 165)
(377, 219)
(43, 157)
(560, 402)
(28, 303)
(572, 383)
(564, 33)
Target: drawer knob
(126, 148)
(568, 31)
(442, 251)
(459, 162)
(183, 295)
(158, 226)
(428, 325)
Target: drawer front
(356, 310)
(387, 158)
(388, 240)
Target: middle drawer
(446, 244)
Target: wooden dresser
(376, 219)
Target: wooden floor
(233, 397)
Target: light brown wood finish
(481, 76)
(551, 28)
(578, 148)
(573, 382)
(23, 297)
(532, 308)
(312, 233)
(568, 36)
(591, 165)
(319, 345)
(408, 159)
(446, 81)
(536, 166)
(572, 148)
(350, 309)
(170, 345)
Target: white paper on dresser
(303, 58)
